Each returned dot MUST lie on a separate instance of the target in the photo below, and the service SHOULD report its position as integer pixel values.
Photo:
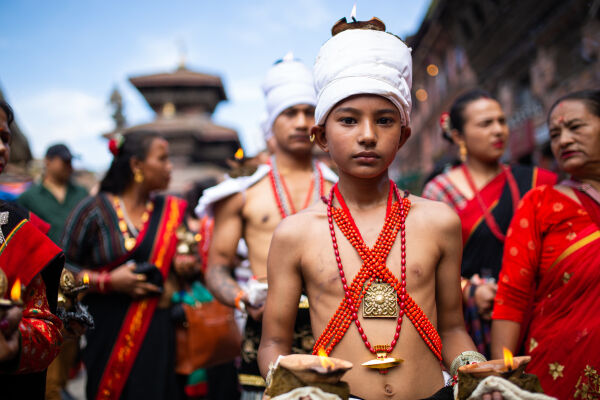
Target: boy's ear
(404, 135)
(319, 133)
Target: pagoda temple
(183, 102)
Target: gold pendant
(383, 360)
(130, 243)
(380, 301)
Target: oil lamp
(301, 370)
(15, 292)
(69, 307)
(510, 368)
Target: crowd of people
(298, 258)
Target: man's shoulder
(229, 188)
(78, 189)
(32, 191)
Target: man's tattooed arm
(221, 284)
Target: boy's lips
(368, 156)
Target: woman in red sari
(549, 290)
(484, 192)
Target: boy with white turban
(250, 207)
(406, 275)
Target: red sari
(482, 249)
(550, 283)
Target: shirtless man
(251, 207)
(363, 116)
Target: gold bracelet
(464, 358)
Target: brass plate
(380, 301)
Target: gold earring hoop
(312, 137)
(462, 151)
(138, 176)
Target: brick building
(526, 53)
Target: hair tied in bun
(115, 144)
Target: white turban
(288, 83)
(360, 61)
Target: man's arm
(226, 235)
(451, 325)
(285, 287)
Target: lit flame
(353, 13)
(324, 358)
(86, 279)
(239, 154)
(508, 358)
(289, 56)
(15, 292)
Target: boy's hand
(493, 396)
(255, 313)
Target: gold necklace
(125, 224)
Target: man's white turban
(288, 83)
(359, 61)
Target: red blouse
(543, 226)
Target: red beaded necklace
(276, 177)
(373, 269)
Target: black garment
(445, 393)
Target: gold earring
(312, 137)
(138, 176)
(462, 151)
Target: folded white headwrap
(288, 83)
(358, 61)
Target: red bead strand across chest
(373, 269)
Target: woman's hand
(484, 299)
(123, 279)
(9, 333)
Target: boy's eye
(347, 120)
(385, 121)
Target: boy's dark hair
(457, 118)
(10, 115)
(591, 99)
(119, 175)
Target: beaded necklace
(282, 195)
(125, 224)
(373, 272)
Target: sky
(60, 60)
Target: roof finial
(182, 53)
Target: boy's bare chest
(321, 269)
